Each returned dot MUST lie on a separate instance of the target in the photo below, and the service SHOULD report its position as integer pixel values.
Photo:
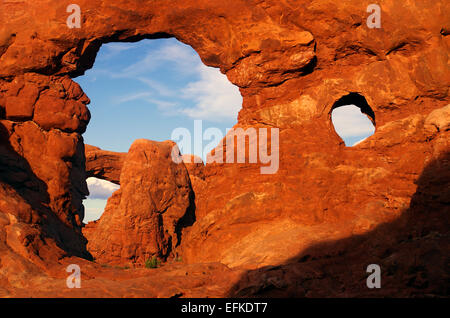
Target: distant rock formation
(104, 164)
(144, 218)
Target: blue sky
(149, 88)
(146, 90)
(351, 125)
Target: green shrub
(122, 267)
(152, 263)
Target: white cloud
(176, 53)
(215, 97)
(161, 104)
(157, 86)
(100, 189)
(99, 192)
(93, 209)
(132, 97)
(166, 107)
(111, 49)
(349, 122)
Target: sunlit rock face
(326, 204)
(144, 218)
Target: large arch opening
(147, 89)
(353, 119)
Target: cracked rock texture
(310, 229)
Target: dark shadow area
(357, 100)
(413, 253)
(187, 220)
(16, 172)
(310, 67)
(304, 71)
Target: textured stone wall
(292, 60)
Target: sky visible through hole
(351, 125)
(147, 89)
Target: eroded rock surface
(292, 60)
(103, 164)
(144, 218)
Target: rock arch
(288, 59)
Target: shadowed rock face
(293, 61)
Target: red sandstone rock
(145, 217)
(195, 166)
(104, 164)
(326, 205)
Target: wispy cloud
(100, 189)
(157, 86)
(179, 55)
(215, 97)
(161, 104)
(208, 94)
(165, 107)
(132, 97)
(112, 49)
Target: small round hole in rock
(353, 119)
(99, 192)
